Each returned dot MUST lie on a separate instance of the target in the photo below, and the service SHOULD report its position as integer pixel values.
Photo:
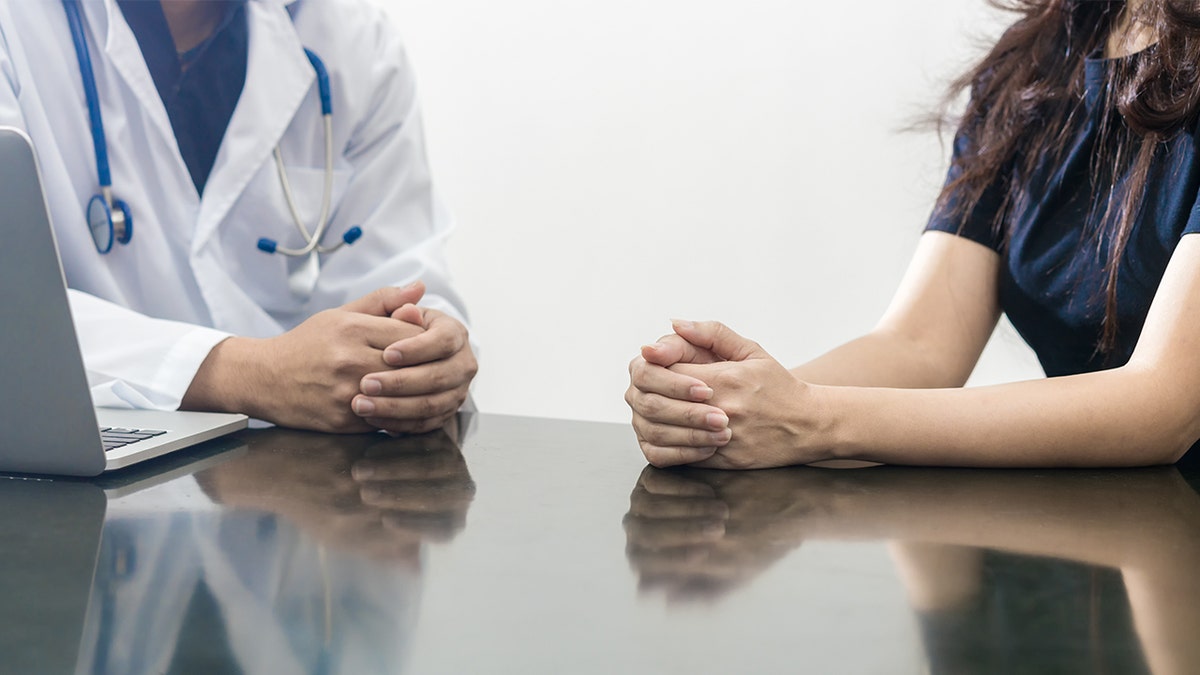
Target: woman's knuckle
(659, 434)
(635, 368)
(650, 406)
(656, 459)
(657, 456)
(698, 437)
(727, 379)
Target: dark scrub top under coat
(200, 87)
(1052, 283)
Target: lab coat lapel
(278, 77)
(125, 54)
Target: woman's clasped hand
(709, 397)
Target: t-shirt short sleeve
(978, 223)
(1192, 226)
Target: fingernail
(700, 392)
(371, 386)
(364, 407)
(717, 420)
(362, 472)
(713, 530)
(412, 284)
(721, 437)
(393, 356)
(682, 323)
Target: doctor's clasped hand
(379, 362)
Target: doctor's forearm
(1119, 417)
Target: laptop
(50, 425)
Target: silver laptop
(46, 415)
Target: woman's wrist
(827, 409)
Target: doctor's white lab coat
(148, 313)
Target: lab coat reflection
(148, 313)
(276, 601)
(311, 566)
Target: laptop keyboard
(116, 437)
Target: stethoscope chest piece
(109, 223)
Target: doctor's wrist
(227, 379)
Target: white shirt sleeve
(125, 373)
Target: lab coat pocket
(279, 283)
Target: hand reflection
(370, 494)
(981, 553)
(697, 533)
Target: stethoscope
(110, 220)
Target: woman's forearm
(1119, 417)
(883, 359)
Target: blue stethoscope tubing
(313, 239)
(110, 219)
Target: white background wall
(614, 164)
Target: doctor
(205, 144)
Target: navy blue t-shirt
(199, 88)
(1052, 281)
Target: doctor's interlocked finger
(442, 337)
(410, 408)
(429, 378)
(384, 301)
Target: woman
(1069, 206)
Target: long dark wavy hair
(1026, 98)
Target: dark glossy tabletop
(547, 546)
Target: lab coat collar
(278, 78)
(123, 51)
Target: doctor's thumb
(384, 301)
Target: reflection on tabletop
(309, 563)
(1006, 571)
(368, 494)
